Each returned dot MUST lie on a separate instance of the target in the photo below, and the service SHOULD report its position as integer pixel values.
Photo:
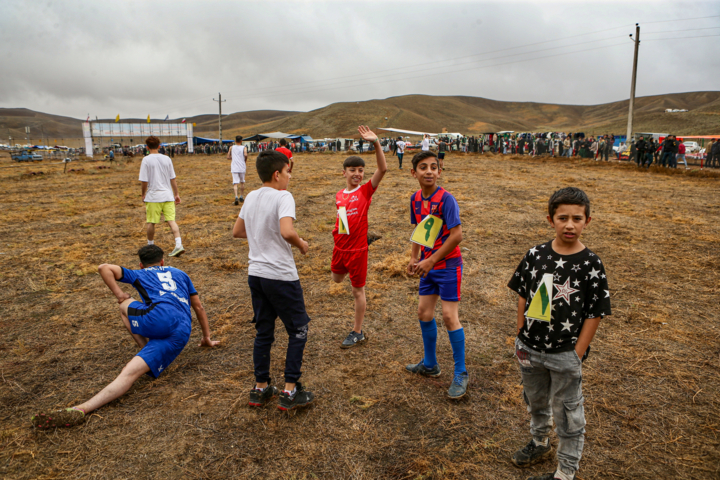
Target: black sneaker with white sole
(259, 398)
(421, 369)
(300, 398)
(531, 454)
(545, 476)
(353, 339)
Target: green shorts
(154, 209)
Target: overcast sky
(136, 58)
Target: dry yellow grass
(651, 383)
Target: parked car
(691, 147)
(26, 156)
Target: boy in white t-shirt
(425, 146)
(238, 167)
(266, 220)
(400, 150)
(160, 193)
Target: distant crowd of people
(644, 151)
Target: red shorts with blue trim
(445, 282)
(353, 262)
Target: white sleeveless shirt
(238, 159)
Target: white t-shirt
(157, 170)
(238, 159)
(425, 145)
(270, 255)
(400, 146)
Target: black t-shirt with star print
(580, 291)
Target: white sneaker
(177, 252)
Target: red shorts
(353, 262)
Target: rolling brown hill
(470, 115)
(477, 115)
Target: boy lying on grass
(160, 325)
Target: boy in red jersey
(285, 151)
(437, 215)
(350, 254)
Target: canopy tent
(407, 132)
(202, 140)
(276, 135)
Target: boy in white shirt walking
(160, 193)
(238, 167)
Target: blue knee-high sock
(457, 341)
(429, 335)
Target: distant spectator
(714, 154)
(669, 147)
(641, 147)
(681, 153)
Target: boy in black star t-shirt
(564, 294)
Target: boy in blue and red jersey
(440, 270)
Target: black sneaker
(259, 398)
(531, 454)
(373, 238)
(353, 339)
(544, 476)
(301, 398)
(237, 201)
(423, 370)
(241, 198)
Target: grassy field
(651, 383)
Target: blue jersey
(162, 287)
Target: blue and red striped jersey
(443, 205)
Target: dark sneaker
(353, 339)
(531, 454)
(373, 238)
(68, 417)
(241, 198)
(545, 476)
(177, 251)
(259, 398)
(423, 370)
(458, 387)
(301, 398)
(237, 201)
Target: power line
(445, 73)
(409, 72)
(681, 19)
(679, 38)
(683, 31)
(318, 83)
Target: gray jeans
(552, 389)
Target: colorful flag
(148, 118)
(183, 121)
(167, 117)
(117, 119)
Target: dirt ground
(651, 383)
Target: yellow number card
(427, 231)
(541, 304)
(343, 228)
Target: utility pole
(632, 86)
(220, 102)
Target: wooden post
(632, 86)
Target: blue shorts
(445, 282)
(166, 331)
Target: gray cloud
(137, 58)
